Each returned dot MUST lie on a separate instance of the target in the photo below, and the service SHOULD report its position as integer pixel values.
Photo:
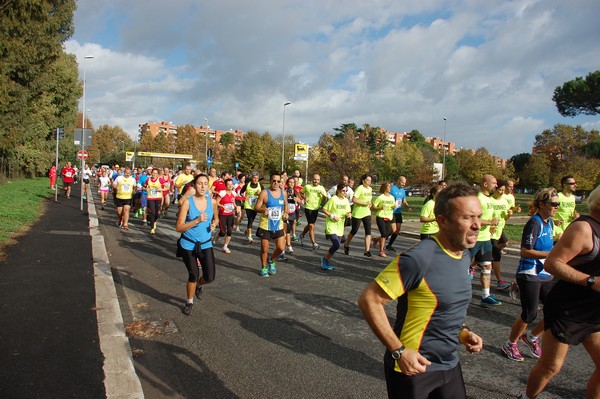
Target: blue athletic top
(537, 235)
(399, 194)
(272, 219)
(200, 232)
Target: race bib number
(68, 174)
(398, 204)
(228, 208)
(154, 192)
(274, 213)
(252, 201)
(292, 208)
(126, 188)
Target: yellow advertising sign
(129, 155)
(301, 150)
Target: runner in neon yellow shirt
(336, 210)
(502, 211)
(361, 213)
(314, 196)
(482, 251)
(566, 212)
(427, 216)
(384, 204)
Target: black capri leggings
(225, 225)
(250, 215)
(335, 243)
(366, 221)
(153, 211)
(385, 227)
(207, 262)
(532, 292)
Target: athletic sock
(392, 239)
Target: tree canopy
(579, 96)
(39, 82)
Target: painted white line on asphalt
(120, 379)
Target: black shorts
(123, 202)
(503, 238)
(482, 252)
(366, 222)
(311, 215)
(269, 235)
(565, 330)
(239, 203)
(67, 184)
(397, 218)
(431, 384)
(86, 181)
(496, 251)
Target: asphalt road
(298, 334)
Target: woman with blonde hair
(572, 309)
(533, 280)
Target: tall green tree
(38, 80)
(472, 165)
(109, 145)
(579, 96)
(536, 173)
(351, 157)
(562, 143)
(405, 159)
(251, 153)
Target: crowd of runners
(211, 207)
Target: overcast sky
(490, 67)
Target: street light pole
(283, 135)
(444, 156)
(206, 144)
(83, 135)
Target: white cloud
(489, 67)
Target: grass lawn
(21, 205)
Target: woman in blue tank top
(197, 218)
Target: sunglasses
(553, 204)
(275, 181)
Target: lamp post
(283, 134)
(444, 156)
(83, 133)
(206, 144)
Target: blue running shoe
(491, 301)
(264, 272)
(325, 265)
(272, 269)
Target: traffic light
(59, 133)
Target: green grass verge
(21, 205)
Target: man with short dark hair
(399, 194)
(566, 212)
(273, 209)
(433, 291)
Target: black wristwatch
(591, 281)
(397, 354)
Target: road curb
(120, 378)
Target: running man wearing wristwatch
(431, 283)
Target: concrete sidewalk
(56, 294)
